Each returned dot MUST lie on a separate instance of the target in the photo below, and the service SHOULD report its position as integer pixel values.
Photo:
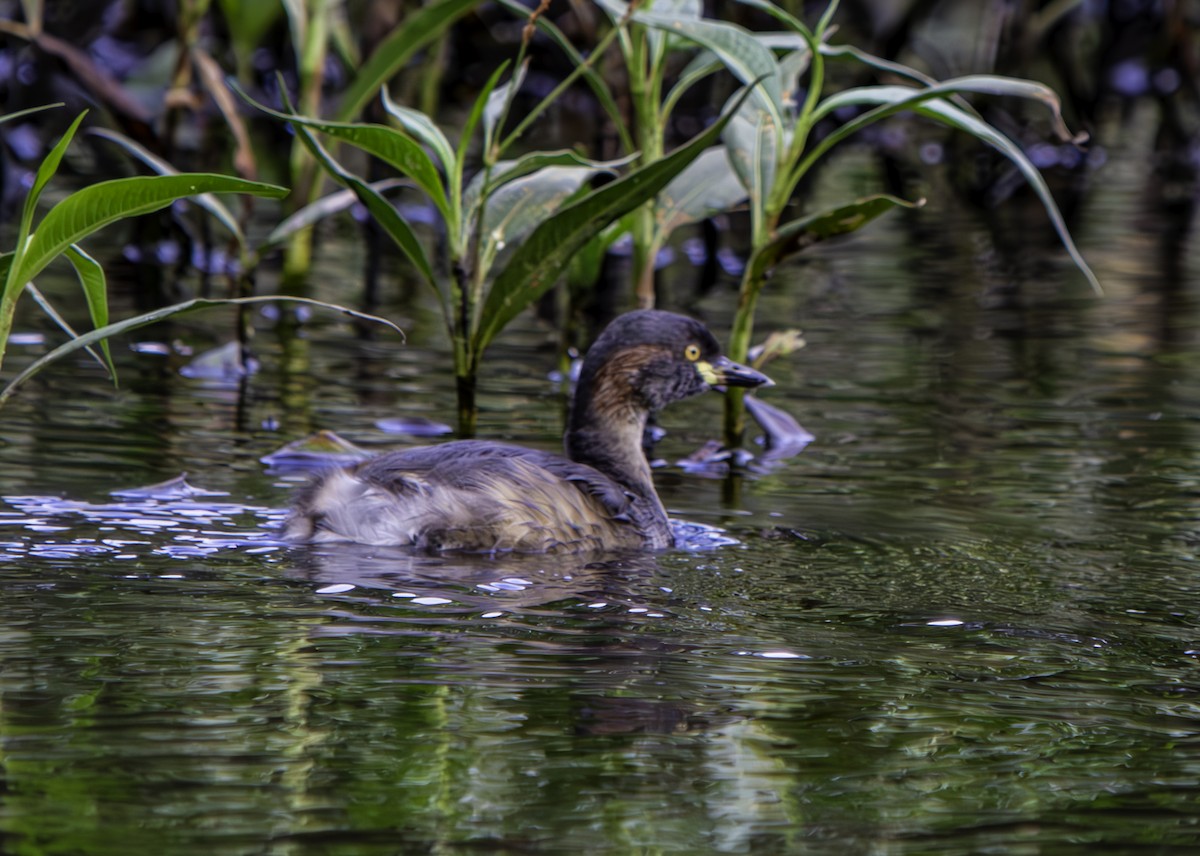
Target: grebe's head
(649, 358)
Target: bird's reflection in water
(478, 582)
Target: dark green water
(965, 619)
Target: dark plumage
(482, 496)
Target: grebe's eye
(692, 352)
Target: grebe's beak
(723, 372)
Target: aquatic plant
(312, 26)
(770, 143)
(513, 229)
(79, 215)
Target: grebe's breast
(477, 496)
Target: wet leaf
(414, 426)
(781, 343)
(321, 450)
(226, 362)
(176, 488)
(783, 437)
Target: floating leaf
(176, 488)
(321, 450)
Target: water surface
(964, 619)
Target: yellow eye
(692, 352)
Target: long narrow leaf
(781, 15)
(396, 226)
(87, 210)
(545, 254)
(414, 32)
(95, 291)
(207, 201)
(20, 114)
(926, 102)
(397, 149)
(423, 128)
(139, 321)
(46, 306)
(747, 59)
(46, 171)
(900, 97)
(324, 207)
(507, 171)
(802, 233)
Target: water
(964, 619)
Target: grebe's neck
(606, 427)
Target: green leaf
(207, 201)
(324, 207)
(422, 127)
(901, 97)
(754, 143)
(20, 114)
(91, 208)
(393, 147)
(462, 236)
(514, 209)
(496, 106)
(46, 171)
(95, 290)
(543, 256)
(596, 81)
(139, 321)
(414, 32)
(927, 102)
(794, 23)
(506, 171)
(708, 185)
(747, 59)
(800, 234)
(47, 307)
(384, 213)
